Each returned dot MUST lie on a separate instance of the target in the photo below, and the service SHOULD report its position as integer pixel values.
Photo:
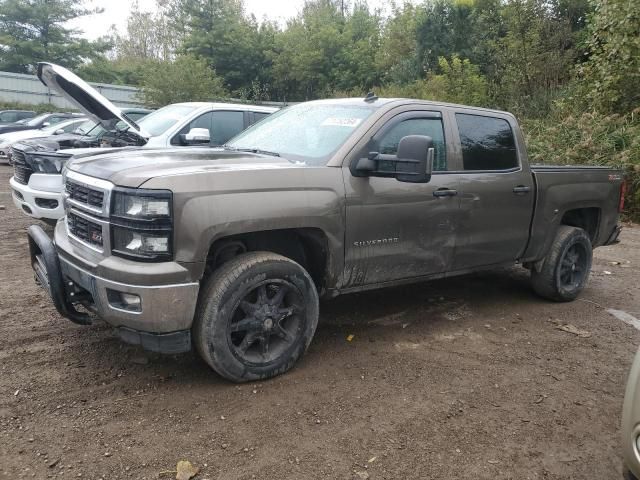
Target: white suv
(37, 181)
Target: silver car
(631, 422)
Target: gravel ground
(463, 378)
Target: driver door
(401, 230)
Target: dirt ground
(466, 378)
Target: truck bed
(588, 196)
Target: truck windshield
(158, 122)
(307, 133)
(85, 127)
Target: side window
(53, 120)
(431, 127)
(226, 124)
(8, 117)
(135, 116)
(203, 121)
(257, 116)
(487, 143)
(72, 126)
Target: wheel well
(307, 246)
(585, 218)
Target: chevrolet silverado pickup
(36, 186)
(228, 250)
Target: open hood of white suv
(85, 97)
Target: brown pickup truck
(229, 249)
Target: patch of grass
(590, 139)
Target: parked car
(182, 124)
(631, 423)
(12, 116)
(88, 135)
(36, 123)
(57, 130)
(228, 250)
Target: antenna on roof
(371, 97)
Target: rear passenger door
(496, 191)
(227, 124)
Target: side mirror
(413, 163)
(195, 136)
(58, 132)
(46, 124)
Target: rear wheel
(256, 317)
(566, 268)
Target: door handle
(521, 189)
(445, 192)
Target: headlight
(142, 204)
(139, 244)
(47, 163)
(142, 226)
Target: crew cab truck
(37, 182)
(228, 250)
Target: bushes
(40, 108)
(590, 138)
(186, 79)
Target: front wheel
(566, 268)
(256, 316)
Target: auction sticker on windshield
(341, 122)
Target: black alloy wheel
(256, 316)
(266, 322)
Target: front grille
(21, 170)
(83, 194)
(86, 230)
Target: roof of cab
(234, 106)
(392, 102)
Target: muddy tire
(566, 268)
(256, 316)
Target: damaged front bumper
(157, 317)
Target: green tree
(218, 31)
(397, 59)
(444, 28)
(457, 81)
(186, 79)
(460, 81)
(148, 35)
(535, 57)
(34, 30)
(611, 76)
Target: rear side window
(226, 124)
(431, 127)
(487, 143)
(257, 116)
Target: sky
(117, 11)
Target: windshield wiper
(251, 150)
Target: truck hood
(85, 97)
(131, 167)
